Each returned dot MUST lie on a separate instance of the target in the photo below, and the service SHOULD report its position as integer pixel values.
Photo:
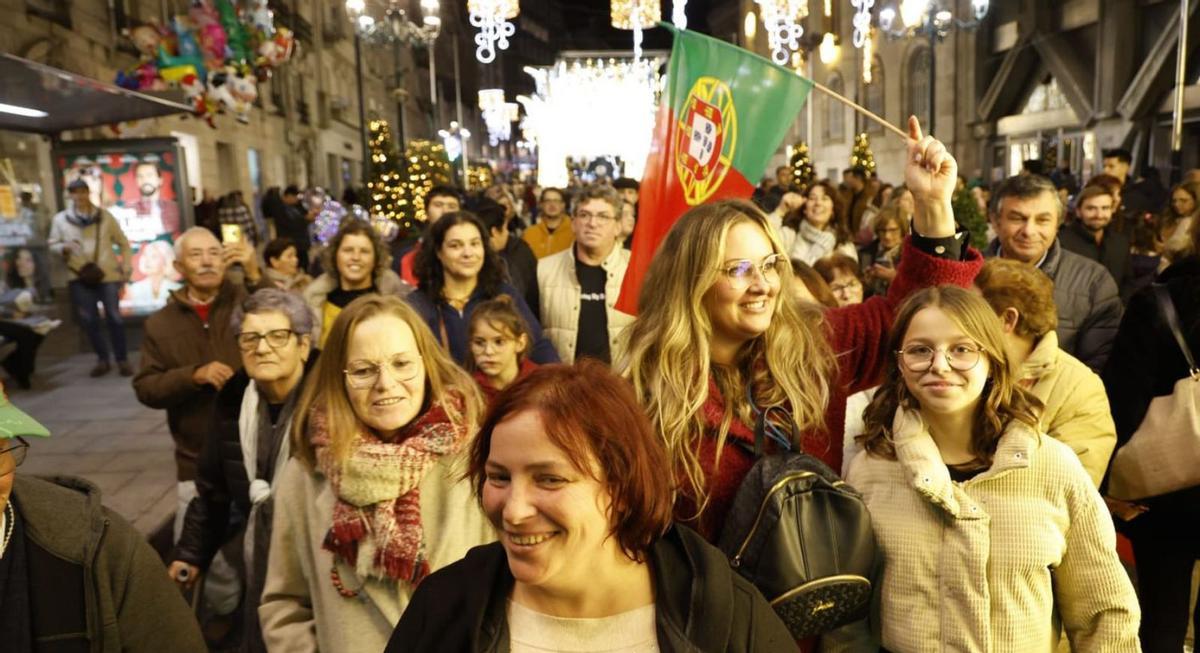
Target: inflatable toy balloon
(328, 220)
(386, 228)
(146, 38)
(186, 52)
(260, 18)
(243, 88)
(235, 33)
(278, 50)
(175, 74)
(213, 39)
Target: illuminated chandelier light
(492, 18)
(862, 21)
(496, 115)
(565, 100)
(678, 14)
(781, 18)
(636, 15)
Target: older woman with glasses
(247, 445)
(373, 499)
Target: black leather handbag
(91, 274)
(800, 534)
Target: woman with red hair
(570, 473)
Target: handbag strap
(765, 428)
(1167, 306)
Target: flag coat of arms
(723, 113)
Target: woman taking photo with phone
(990, 531)
(373, 499)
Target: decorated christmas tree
(480, 176)
(802, 168)
(387, 196)
(428, 166)
(861, 156)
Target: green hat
(14, 423)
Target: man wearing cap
(75, 576)
(84, 235)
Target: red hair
(592, 415)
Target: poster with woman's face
(141, 187)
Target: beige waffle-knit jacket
(992, 564)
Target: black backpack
(800, 535)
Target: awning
(38, 98)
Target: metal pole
(399, 91)
(1177, 119)
(458, 108)
(808, 106)
(362, 109)
(932, 75)
(434, 118)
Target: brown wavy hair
(1004, 400)
(591, 414)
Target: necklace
(11, 517)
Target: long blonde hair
(326, 386)
(669, 359)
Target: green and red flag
(723, 113)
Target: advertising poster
(142, 184)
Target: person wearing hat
(84, 235)
(74, 575)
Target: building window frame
(917, 83)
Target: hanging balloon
(238, 48)
(210, 34)
(328, 221)
(260, 18)
(386, 228)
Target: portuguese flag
(723, 113)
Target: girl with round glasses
(990, 531)
(721, 336)
(373, 499)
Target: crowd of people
(457, 443)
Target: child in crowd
(498, 344)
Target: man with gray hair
(1026, 214)
(190, 351)
(247, 445)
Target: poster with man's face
(140, 183)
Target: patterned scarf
(377, 517)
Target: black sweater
(700, 604)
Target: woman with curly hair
(457, 270)
(822, 229)
(356, 263)
(721, 335)
(991, 533)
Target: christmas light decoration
(861, 156)
(803, 174)
(781, 18)
(635, 15)
(565, 119)
(868, 57)
(492, 18)
(480, 175)
(496, 115)
(862, 21)
(679, 14)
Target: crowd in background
(377, 447)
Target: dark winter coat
(700, 604)
(1145, 364)
(1112, 252)
(1089, 305)
(95, 585)
(450, 326)
(522, 270)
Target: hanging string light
(781, 18)
(492, 18)
(635, 15)
(868, 54)
(678, 15)
(862, 21)
(496, 115)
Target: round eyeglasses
(740, 272)
(960, 357)
(364, 374)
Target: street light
(929, 19)
(395, 29)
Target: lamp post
(395, 29)
(931, 20)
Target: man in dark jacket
(516, 253)
(1093, 235)
(1026, 214)
(189, 352)
(293, 221)
(75, 577)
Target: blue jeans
(84, 300)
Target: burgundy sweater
(859, 336)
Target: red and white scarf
(377, 515)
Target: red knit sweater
(859, 336)
(490, 391)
